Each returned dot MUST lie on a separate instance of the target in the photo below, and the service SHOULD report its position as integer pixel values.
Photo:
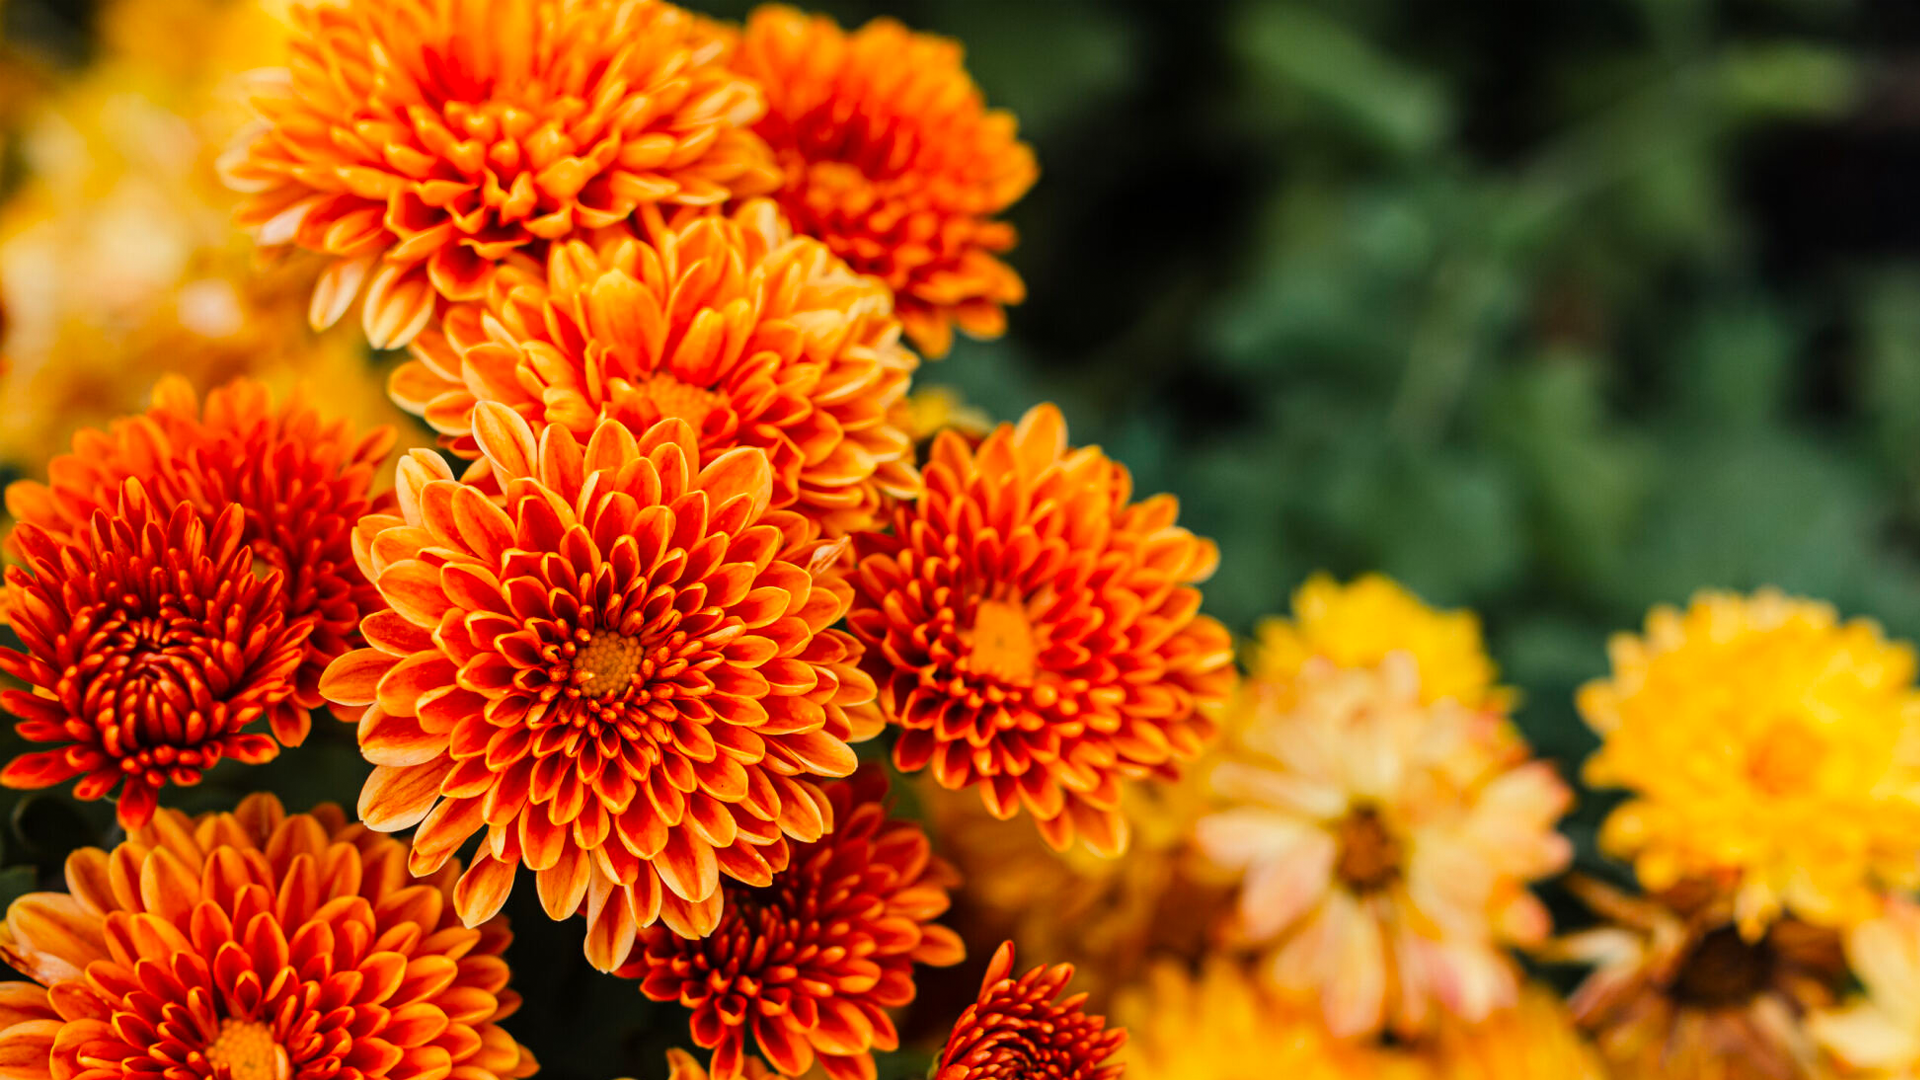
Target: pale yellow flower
(1386, 844)
(1765, 740)
(1221, 1025)
(1361, 623)
(1876, 1036)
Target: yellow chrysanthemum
(1766, 741)
(118, 258)
(1535, 1040)
(1876, 1036)
(1220, 1025)
(1359, 624)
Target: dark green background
(1555, 309)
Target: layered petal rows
(255, 945)
(301, 482)
(621, 668)
(150, 646)
(418, 143)
(890, 155)
(1035, 634)
(1019, 1028)
(810, 964)
(752, 336)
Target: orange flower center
(1785, 760)
(1369, 855)
(1001, 644)
(664, 397)
(246, 1050)
(607, 663)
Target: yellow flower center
(1785, 760)
(1369, 856)
(246, 1050)
(1001, 645)
(606, 664)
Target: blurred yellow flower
(1106, 916)
(1763, 739)
(118, 259)
(1220, 1025)
(1386, 844)
(1678, 994)
(1877, 1034)
(1360, 624)
(931, 409)
(1534, 1040)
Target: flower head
(150, 646)
(1220, 1024)
(811, 963)
(1361, 623)
(419, 143)
(255, 945)
(622, 671)
(1762, 738)
(301, 484)
(753, 337)
(1036, 634)
(1018, 1028)
(1876, 1034)
(1678, 993)
(1386, 845)
(891, 156)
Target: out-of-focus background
(1553, 310)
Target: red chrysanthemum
(1017, 1030)
(1035, 634)
(417, 143)
(753, 337)
(255, 945)
(891, 156)
(151, 645)
(810, 964)
(301, 484)
(625, 677)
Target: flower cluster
(691, 537)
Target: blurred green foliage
(1553, 310)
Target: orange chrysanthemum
(254, 945)
(150, 646)
(1036, 634)
(753, 337)
(625, 677)
(300, 482)
(891, 156)
(811, 963)
(1017, 1029)
(417, 143)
